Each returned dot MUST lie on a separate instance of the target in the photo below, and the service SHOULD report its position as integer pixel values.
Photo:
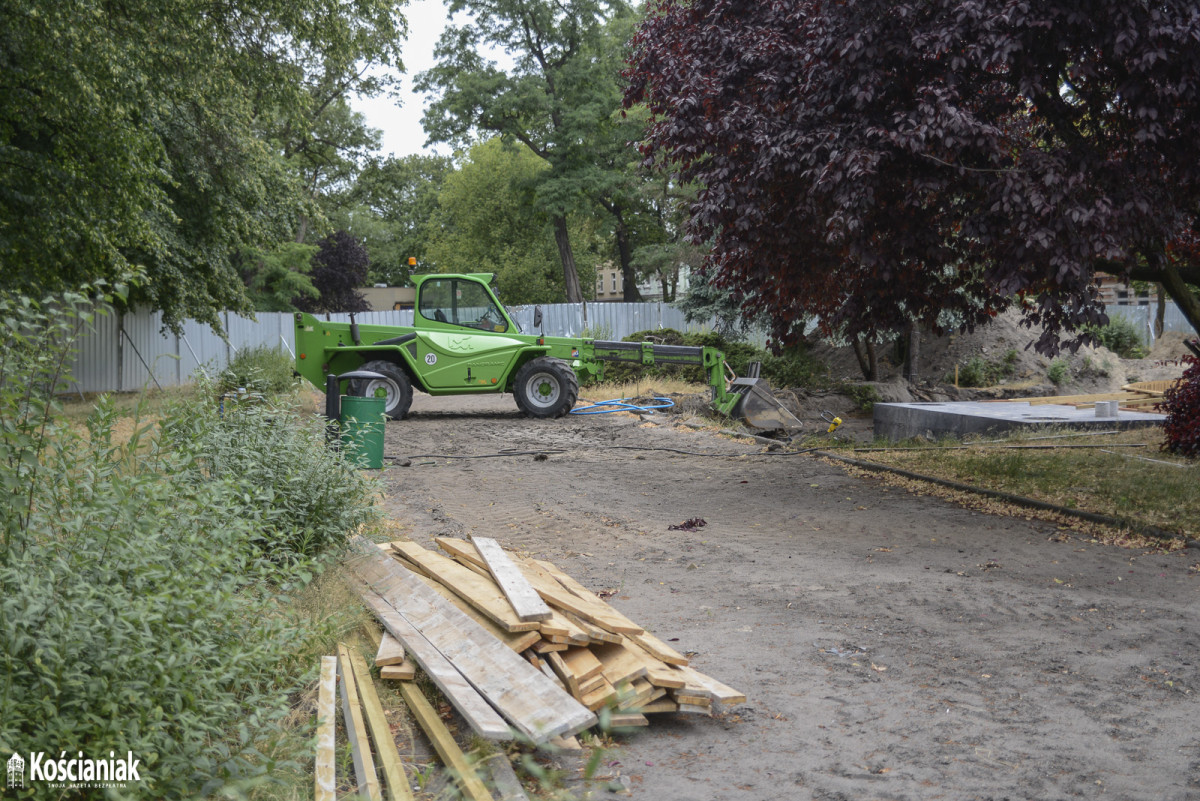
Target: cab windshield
(458, 302)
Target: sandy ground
(891, 646)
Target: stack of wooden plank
(590, 650)
(1139, 396)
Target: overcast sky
(401, 124)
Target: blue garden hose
(622, 405)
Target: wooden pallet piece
(356, 730)
(326, 770)
(405, 671)
(516, 640)
(381, 731)
(551, 590)
(512, 582)
(390, 651)
(479, 591)
(700, 683)
(547, 647)
(471, 705)
(451, 755)
(532, 703)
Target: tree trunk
(1184, 298)
(1160, 313)
(864, 351)
(912, 363)
(630, 292)
(570, 274)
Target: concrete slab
(897, 421)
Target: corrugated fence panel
(107, 361)
(94, 366)
(1143, 318)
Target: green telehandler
(463, 341)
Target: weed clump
(981, 372)
(262, 370)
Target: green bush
(1059, 371)
(301, 498)
(267, 371)
(1122, 336)
(791, 368)
(981, 372)
(144, 605)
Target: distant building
(1114, 291)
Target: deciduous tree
(875, 162)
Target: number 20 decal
(431, 358)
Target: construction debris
(585, 648)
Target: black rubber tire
(395, 382)
(546, 387)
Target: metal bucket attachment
(759, 408)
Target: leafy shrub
(791, 368)
(139, 610)
(1122, 336)
(981, 372)
(1182, 406)
(260, 369)
(864, 396)
(301, 498)
(1059, 371)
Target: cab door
(461, 339)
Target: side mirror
(537, 317)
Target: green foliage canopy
(142, 139)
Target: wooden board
(619, 663)
(326, 771)
(547, 647)
(690, 709)
(569, 680)
(479, 591)
(452, 756)
(700, 684)
(596, 635)
(381, 731)
(582, 663)
(532, 703)
(516, 640)
(356, 730)
(552, 591)
(624, 720)
(601, 696)
(524, 599)
(592, 684)
(406, 671)
(659, 706)
(577, 589)
(470, 704)
(504, 778)
(658, 649)
(391, 651)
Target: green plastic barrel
(362, 430)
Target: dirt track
(891, 646)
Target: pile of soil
(1088, 370)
